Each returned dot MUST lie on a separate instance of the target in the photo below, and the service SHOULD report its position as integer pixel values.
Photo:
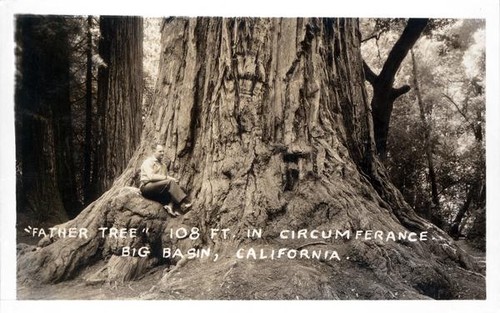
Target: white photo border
(483, 9)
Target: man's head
(159, 152)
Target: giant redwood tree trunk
(119, 98)
(267, 124)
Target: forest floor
(182, 282)
(479, 255)
(79, 289)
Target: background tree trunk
(384, 94)
(46, 178)
(473, 192)
(432, 212)
(119, 97)
(477, 233)
(267, 124)
(88, 148)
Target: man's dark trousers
(163, 191)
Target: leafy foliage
(451, 66)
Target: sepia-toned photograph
(250, 158)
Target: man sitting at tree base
(156, 185)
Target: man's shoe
(186, 206)
(170, 210)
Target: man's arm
(147, 172)
(164, 170)
(173, 178)
(157, 177)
